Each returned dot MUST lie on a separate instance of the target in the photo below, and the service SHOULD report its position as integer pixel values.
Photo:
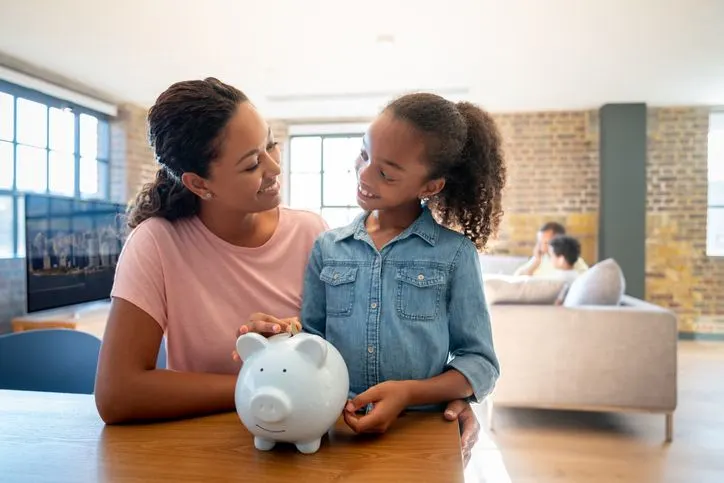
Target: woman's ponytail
(164, 197)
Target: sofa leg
(489, 413)
(669, 427)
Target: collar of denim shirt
(424, 226)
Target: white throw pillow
(602, 284)
(522, 289)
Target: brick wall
(679, 274)
(552, 176)
(132, 162)
(12, 291)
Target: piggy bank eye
(284, 370)
(261, 370)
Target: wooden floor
(530, 446)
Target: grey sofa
(594, 358)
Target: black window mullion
(47, 149)
(76, 157)
(15, 176)
(321, 174)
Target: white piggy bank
(290, 389)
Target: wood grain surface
(60, 437)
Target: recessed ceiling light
(385, 39)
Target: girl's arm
(129, 387)
(471, 338)
(314, 306)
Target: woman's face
(245, 175)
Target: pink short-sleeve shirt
(200, 289)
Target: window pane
(716, 193)
(62, 173)
(341, 153)
(20, 200)
(716, 155)
(7, 107)
(88, 177)
(6, 227)
(32, 169)
(715, 232)
(103, 181)
(305, 191)
(6, 165)
(62, 130)
(305, 154)
(32, 123)
(104, 139)
(336, 217)
(340, 188)
(88, 136)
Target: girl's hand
(267, 325)
(389, 399)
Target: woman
(210, 243)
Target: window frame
(323, 131)
(49, 101)
(716, 125)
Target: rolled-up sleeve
(471, 340)
(314, 307)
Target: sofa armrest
(618, 357)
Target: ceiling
(335, 58)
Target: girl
(398, 292)
(210, 244)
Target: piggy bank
(290, 389)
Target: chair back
(50, 360)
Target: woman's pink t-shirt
(200, 289)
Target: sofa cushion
(510, 289)
(602, 284)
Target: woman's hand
(469, 426)
(388, 400)
(267, 325)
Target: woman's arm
(129, 387)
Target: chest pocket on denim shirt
(420, 292)
(340, 289)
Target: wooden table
(46, 437)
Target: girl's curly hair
(464, 147)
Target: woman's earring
(208, 196)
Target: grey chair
(49, 360)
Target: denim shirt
(409, 311)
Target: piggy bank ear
(314, 348)
(249, 344)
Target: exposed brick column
(679, 274)
(132, 161)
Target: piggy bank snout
(270, 405)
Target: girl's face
(391, 169)
(244, 177)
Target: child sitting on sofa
(564, 251)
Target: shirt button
(370, 349)
(373, 305)
(335, 276)
(421, 277)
